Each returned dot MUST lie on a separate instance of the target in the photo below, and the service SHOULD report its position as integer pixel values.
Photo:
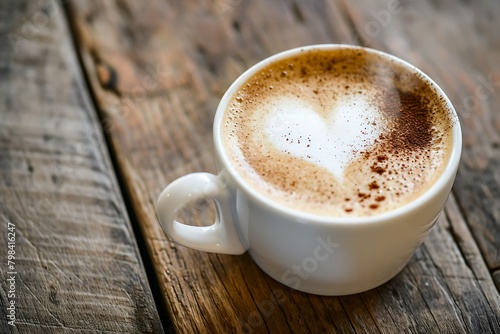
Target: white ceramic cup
(311, 253)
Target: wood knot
(107, 76)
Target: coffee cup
(334, 162)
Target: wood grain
(77, 263)
(157, 71)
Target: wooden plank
(496, 278)
(460, 51)
(77, 266)
(157, 75)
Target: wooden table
(102, 103)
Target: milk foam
(338, 133)
(294, 127)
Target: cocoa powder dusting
(377, 169)
(412, 121)
(381, 158)
(363, 196)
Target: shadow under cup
(314, 253)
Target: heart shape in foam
(295, 128)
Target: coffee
(342, 132)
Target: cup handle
(221, 236)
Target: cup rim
(307, 217)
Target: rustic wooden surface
(78, 266)
(157, 71)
